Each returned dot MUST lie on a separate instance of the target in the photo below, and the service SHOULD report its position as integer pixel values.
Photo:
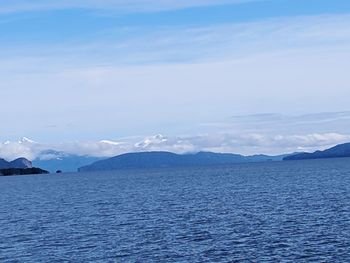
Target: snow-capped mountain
(26, 140)
(53, 161)
(151, 141)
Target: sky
(104, 77)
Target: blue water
(271, 212)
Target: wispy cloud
(170, 79)
(142, 45)
(10, 6)
(326, 122)
(172, 99)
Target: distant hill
(19, 166)
(20, 163)
(145, 160)
(341, 150)
(60, 161)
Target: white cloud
(174, 99)
(224, 141)
(22, 148)
(294, 65)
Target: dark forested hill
(166, 159)
(341, 150)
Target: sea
(292, 211)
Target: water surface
(297, 211)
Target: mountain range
(341, 150)
(53, 161)
(145, 160)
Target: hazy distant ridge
(52, 161)
(341, 150)
(145, 160)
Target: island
(22, 171)
(20, 166)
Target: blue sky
(43, 24)
(85, 71)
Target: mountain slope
(53, 161)
(20, 163)
(144, 160)
(341, 150)
(4, 164)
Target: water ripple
(272, 212)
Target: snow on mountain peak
(110, 142)
(160, 137)
(26, 140)
(148, 141)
